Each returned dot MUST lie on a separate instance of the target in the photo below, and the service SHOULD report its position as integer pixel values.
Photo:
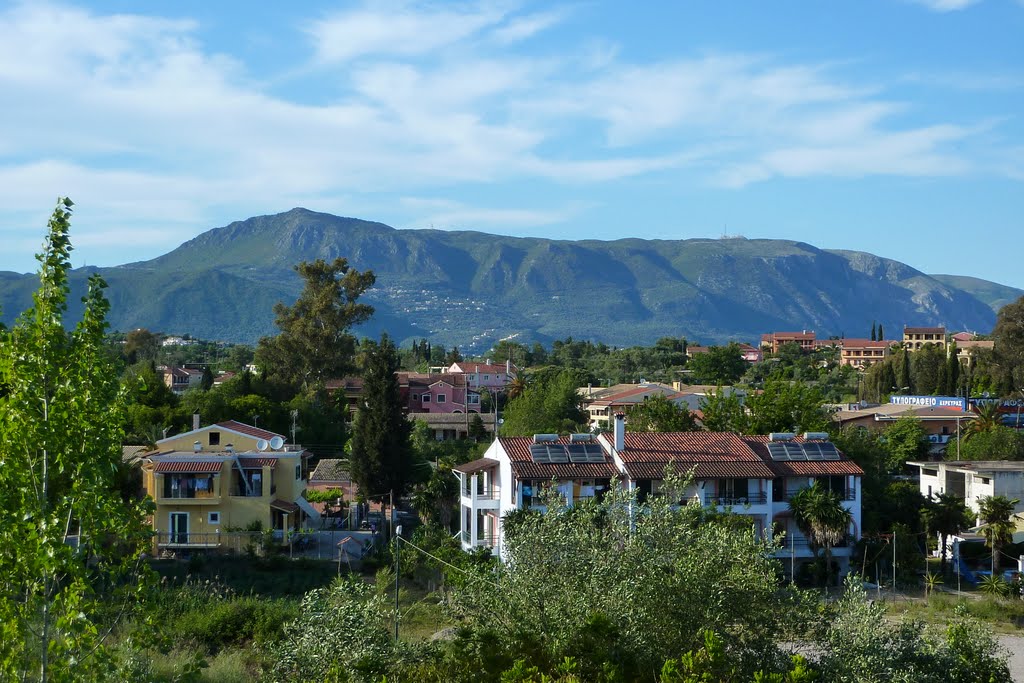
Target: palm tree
(821, 517)
(946, 515)
(987, 419)
(997, 513)
(517, 385)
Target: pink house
(484, 375)
(440, 393)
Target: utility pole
(894, 563)
(398, 573)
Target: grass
(1004, 615)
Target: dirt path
(1015, 646)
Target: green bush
(235, 621)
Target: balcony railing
(189, 493)
(482, 541)
(847, 494)
(483, 493)
(737, 501)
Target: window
(214, 438)
(486, 377)
(298, 471)
(415, 397)
(188, 486)
(214, 518)
(426, 398)
(441, 398)
(474, 398)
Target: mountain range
(471, 288)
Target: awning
(476, 465)
(187, 467)
(284, 506)
(257, 463)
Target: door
(179, 528)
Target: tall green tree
(381, 456)
(723, 411)
(787, 407)
(822, 519)
(70, 543)
(550, 404)
(658, 414)
(719, 365)
(141, 345)
(906, 439)
(997, 514)
(1008, 335)
(315, 343)
(998, 443)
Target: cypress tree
(873, 337)
(905, 372)
(381, 452)
(881, 333)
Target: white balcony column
(473, 522)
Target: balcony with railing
(480, 496)
(482, 540)
(737, 500)
(787, 495)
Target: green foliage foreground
(69, 543)
(616, 591)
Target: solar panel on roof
(557, 453)
(539, 453)
(576, 452)
(821, 451)
(777, 451)
(594, 453)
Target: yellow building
(220, 478)
(916, 337)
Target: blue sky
(893, 127)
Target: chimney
(620, 432)
(197, 446)
(487, 362)
(195, 421)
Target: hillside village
(456, 485)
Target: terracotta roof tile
(523, 466)
(567, 470)
(803, 468)
(253, 463)
(248, 430)
(331, 469)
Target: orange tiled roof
(248, 430)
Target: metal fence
(331, 544)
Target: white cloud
(946, 5)
(399, 29)
(522, 28)
(142, 123)
(447, 214)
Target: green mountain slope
(991, 293)
(471, 288)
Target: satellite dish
(276, 443)
(262, 445)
